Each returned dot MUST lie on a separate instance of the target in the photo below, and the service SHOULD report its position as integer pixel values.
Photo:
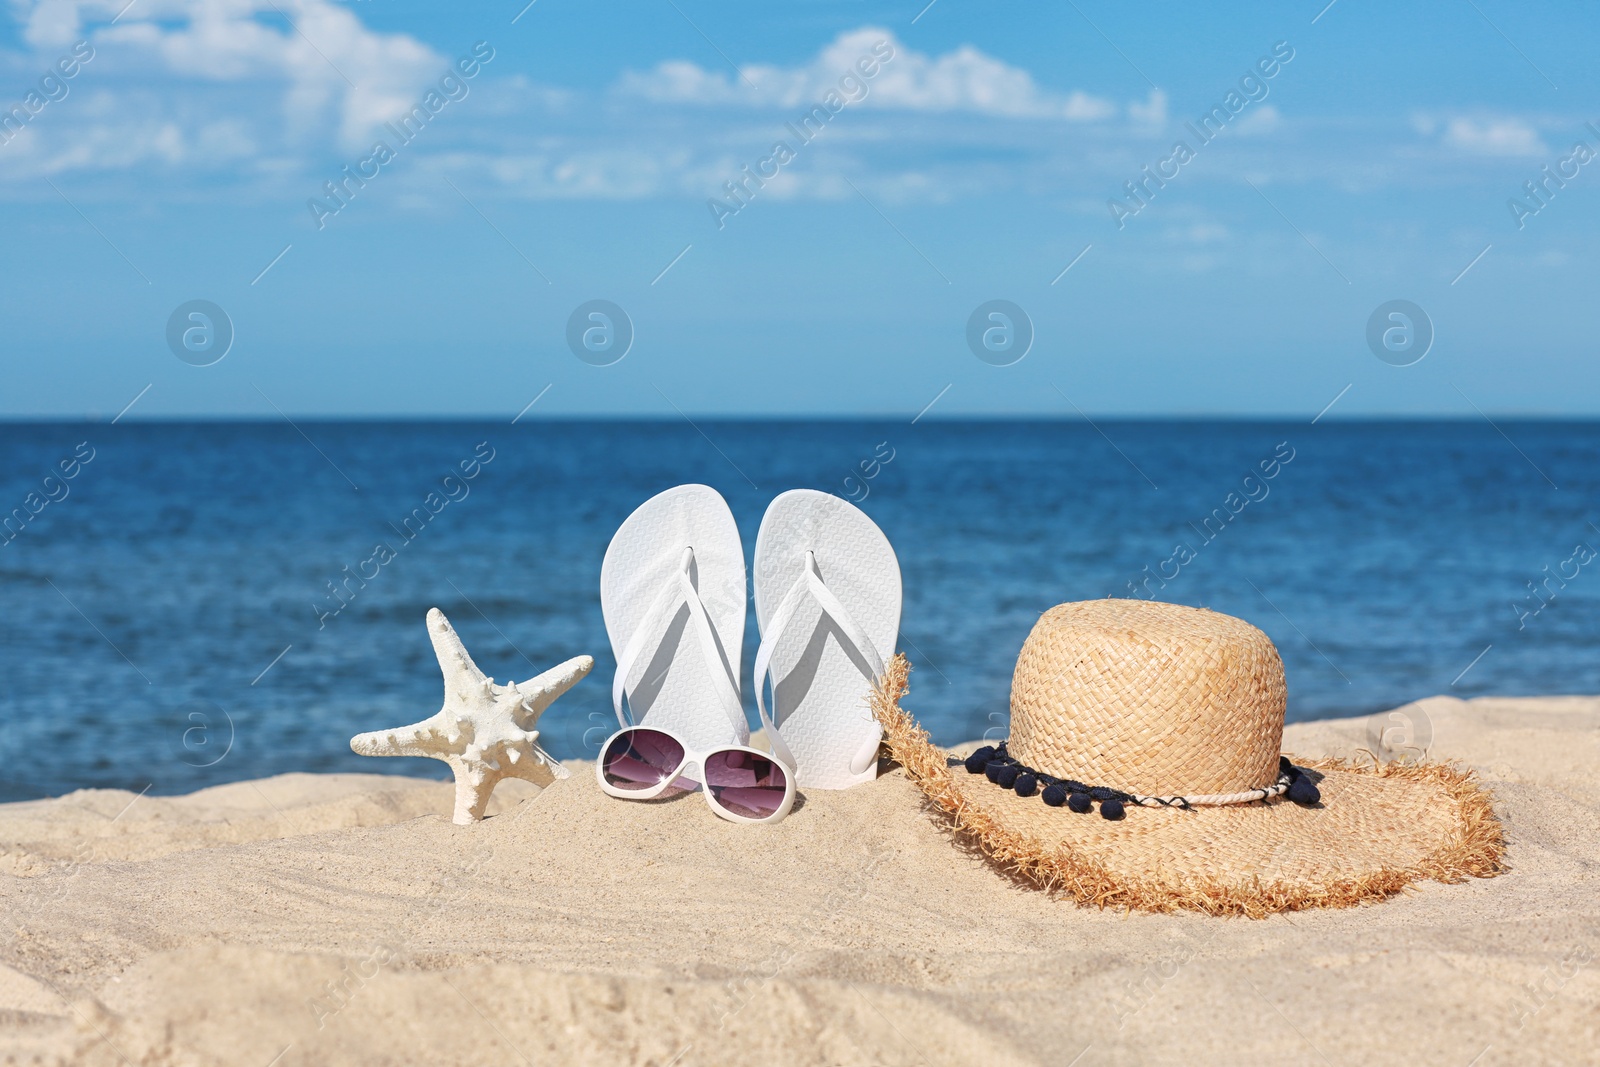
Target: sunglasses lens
(640, 759)
(746, 783)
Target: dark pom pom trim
(1304, 791)
(1001, 768)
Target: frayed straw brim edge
(1475, 849)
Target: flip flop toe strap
(679, 590)
(810, 582)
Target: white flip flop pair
(827, 595)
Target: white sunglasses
(742, 784)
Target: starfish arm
(533, 764)
(540, 691)
(474, 784)
(418, 739)
(461, 675)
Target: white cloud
(963, 80)
(1198, 233)
(1153, 111)
(1260, 120)
(329, 64)
(1494, 137)
(225, 94)
(678, 81)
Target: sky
(1022, 210)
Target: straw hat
(1144, 770)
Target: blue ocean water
(168, 619)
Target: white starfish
(485, 732)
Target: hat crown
(1152, 698)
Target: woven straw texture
(1376, 831)
(1151, 698)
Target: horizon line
(1298, 417)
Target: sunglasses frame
(694, 759)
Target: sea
(192, 603)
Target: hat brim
(1376, 831)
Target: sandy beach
(343, 919)
(426, 429)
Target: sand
(343, 919)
